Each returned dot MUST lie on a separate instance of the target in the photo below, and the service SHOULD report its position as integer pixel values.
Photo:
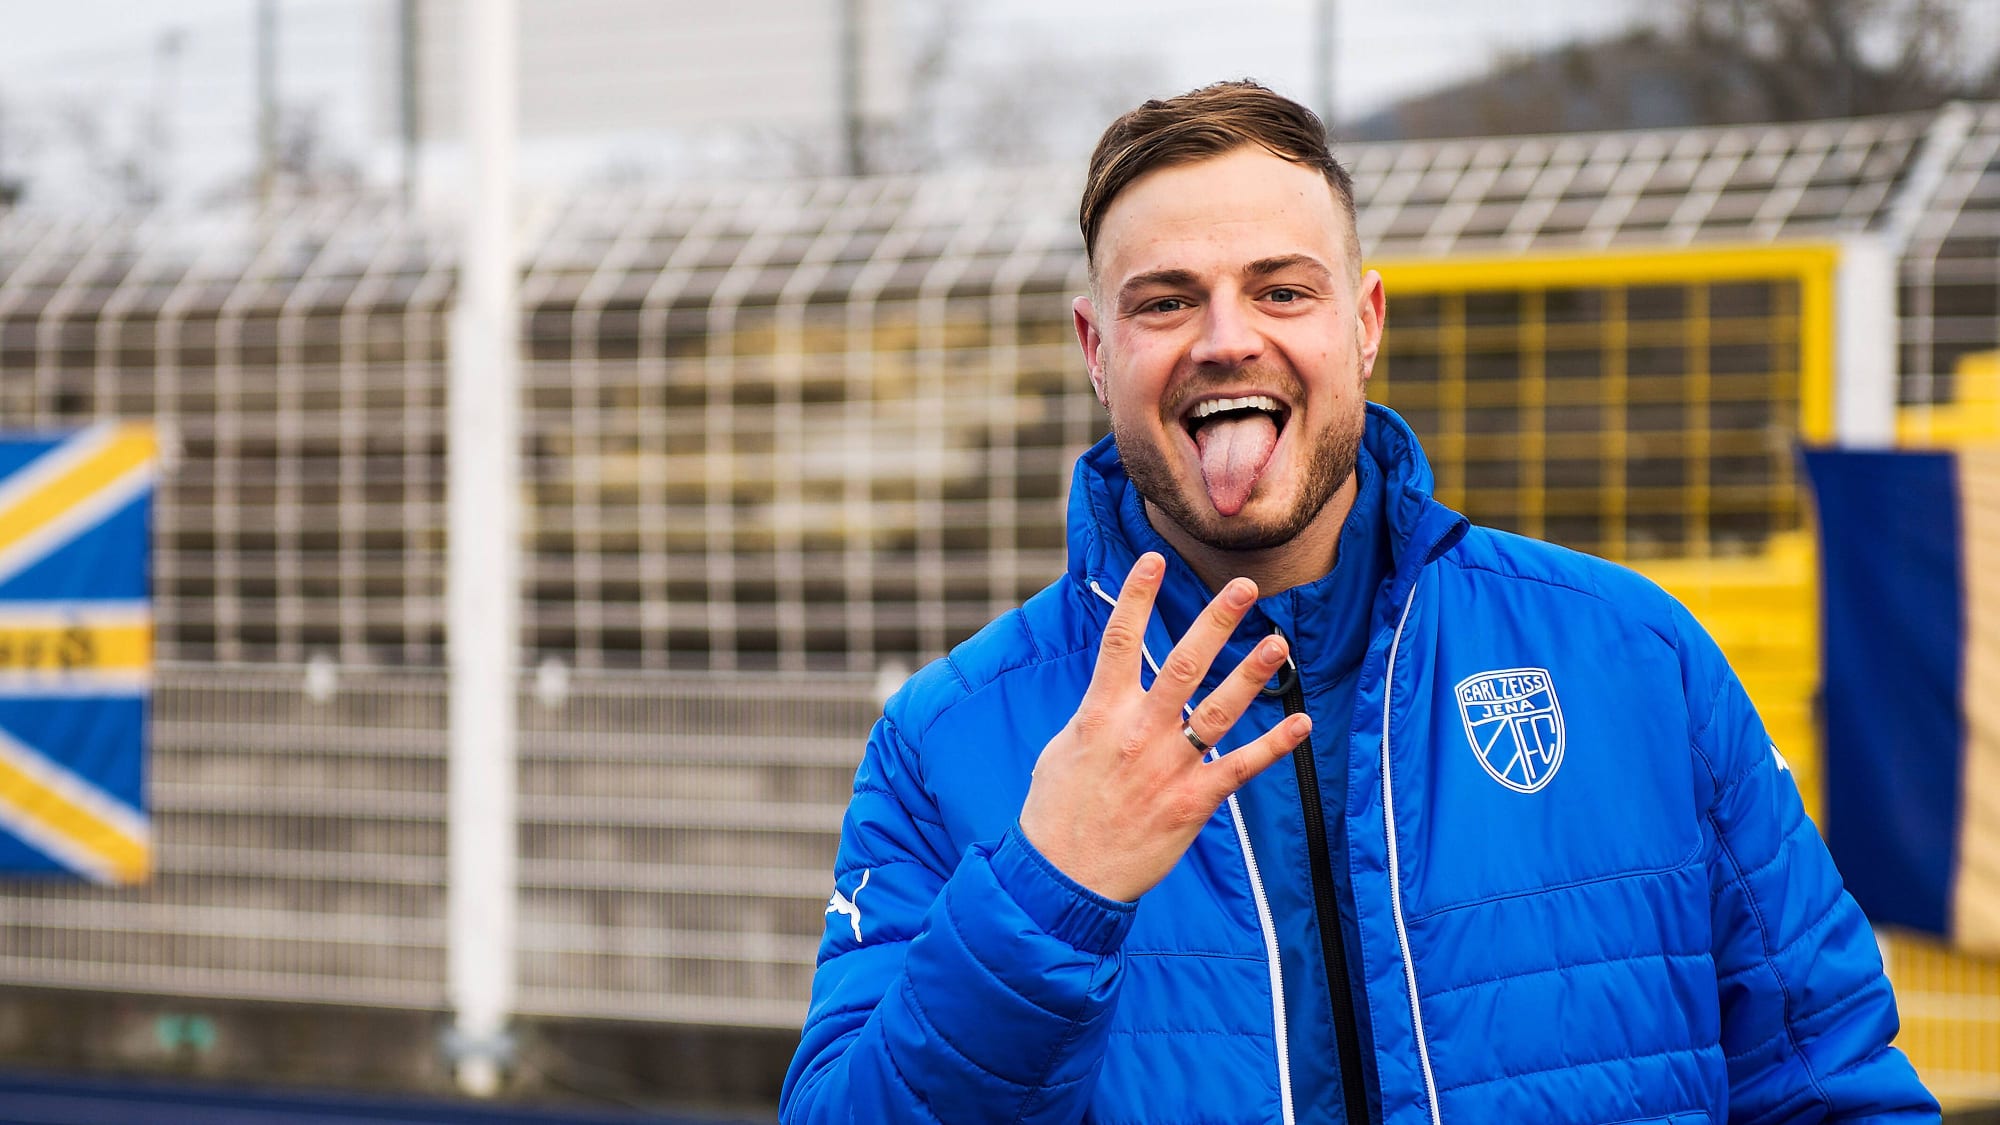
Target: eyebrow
(1265, 267)
(1166, 279)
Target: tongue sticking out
(1234, 451)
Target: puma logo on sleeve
(841, 904)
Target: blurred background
(797, 400)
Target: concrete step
(807, 849)
(725, 982)
(215, 824)
(588, 910)
(179, 774)
(181, 769)
(778, 783)
(165, 937)
(312, 840)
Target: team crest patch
(1515, 724)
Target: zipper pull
(1288, 673)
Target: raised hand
(1121, 791)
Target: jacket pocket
(1685, 1117)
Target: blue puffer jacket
(1584, 888)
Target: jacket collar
(1108, 530)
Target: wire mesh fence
(674, 843)
(824, 424)
(300, 851)
(780, 436)
(1950, 269)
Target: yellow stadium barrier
(1972, 415)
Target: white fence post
(483, 569)
(1864, 344)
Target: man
(1534, 859)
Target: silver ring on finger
(1194, 739)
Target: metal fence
(780, 436)
(821, 425)
(675, 837)
(300, 846)
(1950, 266)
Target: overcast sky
(61, 62)
(1384, 50)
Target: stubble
(1330, 458)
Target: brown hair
(1200, 124)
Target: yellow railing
(1634, 405)
(1971, 414)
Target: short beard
(1330, 463)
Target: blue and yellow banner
(1910, 559)
(76, 651)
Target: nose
(1228, 336)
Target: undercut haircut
(1204, 123)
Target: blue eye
(1167, 304)
(1285, 296)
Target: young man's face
(1229, 339)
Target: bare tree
(971, 101)
(118, 167)
(1790, 60)
(1715, 62)
(1034, 108)
(914, 141)
(1011, 103)
(310, 162)
(10, 184)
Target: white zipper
(1271, 956)
(1264, 923)
(1395, 872)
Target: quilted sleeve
(958, 989)
(1807, 1015)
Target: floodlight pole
(1326, 15)
(409, 129)
(483, 484)
(853, 139)
(267, 101)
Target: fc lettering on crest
(1515, 724)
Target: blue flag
(1910, 563)
(75, 652)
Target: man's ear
(1092, 343)
(1370, 309)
